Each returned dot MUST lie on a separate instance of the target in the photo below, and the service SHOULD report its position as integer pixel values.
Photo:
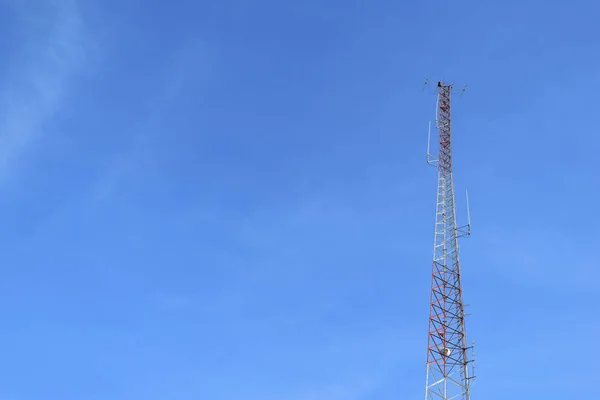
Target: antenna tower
(448, 356)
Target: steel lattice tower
(447, 350)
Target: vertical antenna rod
(447, 360)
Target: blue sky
(229, 200)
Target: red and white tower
(448, 356)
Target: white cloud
(53, 45)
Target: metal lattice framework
(447, 359)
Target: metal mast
(447, 358)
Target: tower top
(448, 86)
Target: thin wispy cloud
(187, 62)
(53, 46)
